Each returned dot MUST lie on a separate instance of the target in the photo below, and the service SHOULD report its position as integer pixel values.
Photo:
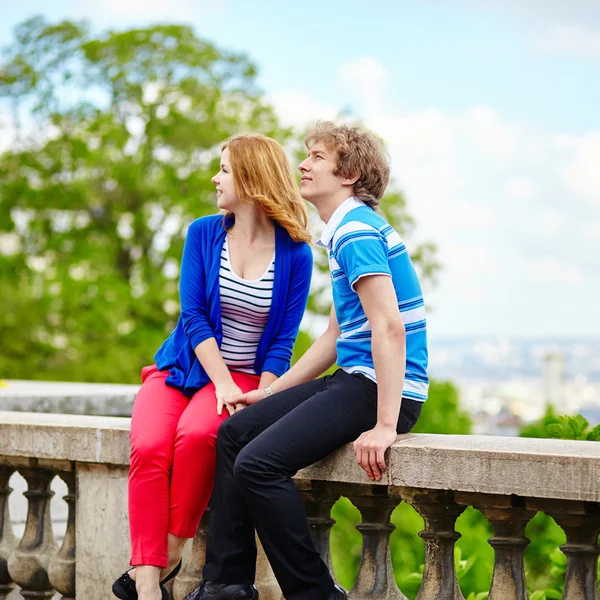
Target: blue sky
(491, 116)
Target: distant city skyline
(490, 112)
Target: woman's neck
(252, 224)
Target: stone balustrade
(507, 479)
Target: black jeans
(258, 451)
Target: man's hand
(370, 448)
(242, 400)
(224, 393)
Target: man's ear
(351, 180)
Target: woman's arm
(279, 353)
(192, 292)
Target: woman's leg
(194, 459)
(156, 412)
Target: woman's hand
(224, 393)
(243, 400)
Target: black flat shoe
(124, 587)
(208, 590)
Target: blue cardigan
(200, 316)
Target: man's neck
(329, 206)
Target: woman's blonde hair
(359, 152)
(262, 172)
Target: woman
(244, 285)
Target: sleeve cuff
(366, 271)
(200, 337)
(277, 366)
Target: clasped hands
(230, 396)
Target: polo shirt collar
(336, 218)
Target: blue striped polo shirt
(361, 243)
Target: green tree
(119, 140)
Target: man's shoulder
(365, 216)
(360, 222)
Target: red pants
(172, 462)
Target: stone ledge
(76, 398)
(80, 438)
(538, 468)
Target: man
(376, 334)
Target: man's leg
(231, 548)
(337, 414)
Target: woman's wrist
(223, 381)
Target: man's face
(318, 181)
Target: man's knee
(229, 430)
(246, 467)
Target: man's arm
(317, 359)
(388, 345)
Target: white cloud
(366, 80)
(581, 172)
(297, 109)
(585, 12)
(551, 271)
(520, 188)
(573, 40)
(488, 133)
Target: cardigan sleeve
(192, 288)
(279, 354)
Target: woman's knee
(151, 452)
(195, 439)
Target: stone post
(438, 509)
(8, 542)
(28, 564)
(376, 576)
(581, 524)
(508, 517)
(62, 567)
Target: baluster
(28, 564)
(318, 498)
(8, 541)
(509, 517)
(62, 567)
(438, 509)
(376, 575)
(581, 524)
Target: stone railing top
(539, 468)
(67, 397)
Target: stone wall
(508, 479)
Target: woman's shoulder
(206, 222)
(302, 251)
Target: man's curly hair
(359, 152)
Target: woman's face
(227, 197)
